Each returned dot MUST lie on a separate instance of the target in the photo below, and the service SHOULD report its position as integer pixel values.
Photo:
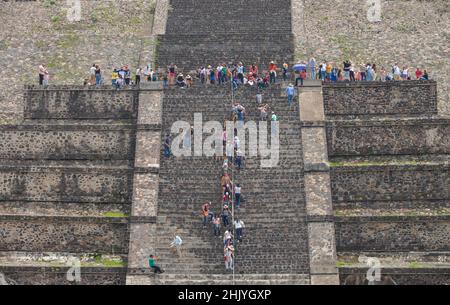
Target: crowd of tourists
(238, 75)
(330, 72)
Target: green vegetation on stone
(115, 215)
(415, 265)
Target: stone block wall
(58, 276)
(401, 276)
(79, 102)
(392, 234)
(67, 142)
(376, 98)
(64, 234)
(388, 137)
(107, 185)
(390, 183)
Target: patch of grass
(111, 263)
(40, 44)
(115, 214)
(56, 18)
(68, 41)
(105, 262)
(415, 265)
(342, 264)
(3, 45)
(48, 3)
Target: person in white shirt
(92, 75)
(138, 75)
(396, 71)
(405, 73)
(239, 226)
(175, 245)
(229, 255)
(41, 74)
(237, 194)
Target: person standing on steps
(167, 143)
(172, 70)
(259, 98)
(92, 75)
(229, 257)
(290, 91)
(312, 67)
(273, 72)
(205, 213)
(238, 160)
(225, 215)
(42, 70)
(237, 194)
(216, 224)
(227, 238)
(98, 76)
(175, 245)
(152, 264)
(285, 71)
(46, 77)
(239, 226)
(138, 76)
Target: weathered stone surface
(145, 197)
(148, 146)
(377, 98)
(55, 184)
(388, 137)
(160, 18)
(311, 105)
(321, 279)
(413, 33)
(314, 145)
(59, 234)
(67, 142)
(400, 276)
(82, 103)
(142, 245)
(322, 248)
(392, 233)
(69, 48)
(150, 107)
(390, 183)
(58, 276)
(318, 193)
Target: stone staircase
(274, 249)
(203, 33)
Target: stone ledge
(147, 170)
(142, 219)
(389, 121)
(317, 167)
(48, 219)
(70, 127)
(407, 219)
(391, 167)
(409, 83)
(312, 124)
(150, 127)
(320, 218)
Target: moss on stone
(114, 214)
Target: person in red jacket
(273, 72)
(419, 73)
